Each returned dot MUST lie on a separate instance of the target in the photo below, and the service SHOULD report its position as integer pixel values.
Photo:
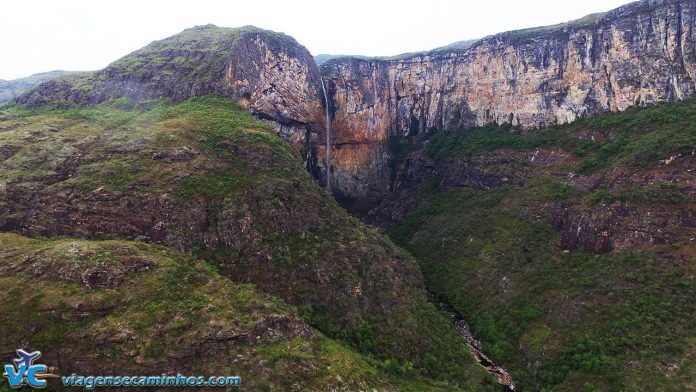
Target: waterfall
(327, 125)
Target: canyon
(539, 182)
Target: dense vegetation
(130, 307)
(567, 320)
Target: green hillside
(569, 249)
(133, 308)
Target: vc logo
(23, 371)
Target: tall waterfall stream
(327, 124)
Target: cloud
(38, 36)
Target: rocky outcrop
(649, 216)
(277, 80)
(635, 55)
(269, 73)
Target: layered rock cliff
(638, 54)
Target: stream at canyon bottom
(475, 347)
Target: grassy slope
(638, 137)
(204, 177)
(119, 307)
(620, 321)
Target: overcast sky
(38, 36)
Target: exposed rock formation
(638, 54)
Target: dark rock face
(617, 224)
(619, 221)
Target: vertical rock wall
(639, 54)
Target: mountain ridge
(9, 89)
(547, 75)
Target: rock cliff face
(635, 55)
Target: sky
(80, 35)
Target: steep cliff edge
(638, 54)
